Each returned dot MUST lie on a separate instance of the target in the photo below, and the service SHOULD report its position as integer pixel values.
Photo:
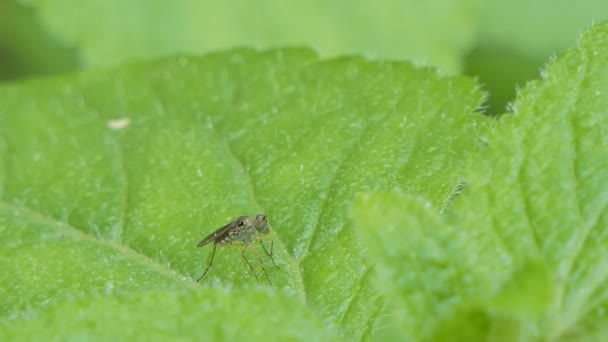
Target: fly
(241, 232)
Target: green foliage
(92, 202)
(26, 48)
(536, 29)
(379, 28)
(516, 39)
(504, 43)
(520, 253)
(463, 227)
(201, 314)
(437, 32)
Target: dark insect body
(241, 232)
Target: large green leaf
(208, 314)
(111, 178)
(521, 253)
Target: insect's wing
(218, 233)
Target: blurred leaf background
(503, 43)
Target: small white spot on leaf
(118, 123)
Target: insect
(241, 232)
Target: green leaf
(158, 315)
(111, 32)
(111, 178)
(521, 253)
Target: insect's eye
(241, 223)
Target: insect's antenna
(261, 262)
(248, 264)
(210, 263)
(271, 254)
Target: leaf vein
(331, 189)
(296, 271)
(526, 201)
(357, 292)
(582, 237)
(69, 229)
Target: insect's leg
(271, 254)
(261, 262)
(248, 264)
(210, 263)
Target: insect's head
(261, 224)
